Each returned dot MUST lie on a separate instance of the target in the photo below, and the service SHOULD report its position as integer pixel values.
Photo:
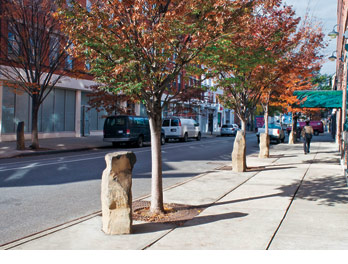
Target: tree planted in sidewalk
(140, 47)
(299, 59)
(240, 60)
(33, 52)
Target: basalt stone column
(116, 193)
(238, 153)
(264, 146)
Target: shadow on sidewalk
(199, 220)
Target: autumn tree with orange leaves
(140, 46)
(33, 54)
(294, 68)
(241, 61)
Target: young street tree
(34, 59)
(140, 47)
(298, 58)
(240, 59)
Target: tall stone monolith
(238, 153)
(264, 146)
(116, 193)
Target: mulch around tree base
(176, 214)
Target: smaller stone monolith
(20, 136)
(264, 146)
(238, 153)
(116, 193)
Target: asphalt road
(41, 192)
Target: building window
(56, 114)
(13, 47)
(54, 49)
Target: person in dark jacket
(307, 133)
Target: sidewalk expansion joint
(54, 229)
(46, 232)
(290, 204)
(211, 204)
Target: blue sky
(324, 11)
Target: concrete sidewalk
(290, 201)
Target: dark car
(163, 137)
(128, 129)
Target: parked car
(229, 130)
(129, 129)
(163, 137)
(181, 128)
(318, 127)
(275, 132)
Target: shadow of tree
(327, 190)
(199, 220)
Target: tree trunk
(293, 133)
(243, 120)
(266, 119)
(252, 127)
(34, 125)
(156, 155)
(264, 142)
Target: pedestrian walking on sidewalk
(307, 133)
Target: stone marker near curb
(291, 138)
(116, 193)
(20, 136)
(264, 146)
(238, 153)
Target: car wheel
(140, 142)
(185, 137)
(198, 138)
(278, 140)
(283, 140)
(163, 140)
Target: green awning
(320, 99)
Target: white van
(181, 128)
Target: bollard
(238, 153)
(20, 136)
(116, 193)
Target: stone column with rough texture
(116, 193)
(291, 138)
(238, 153)
(20, 136)
(264, 146)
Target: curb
(39, 153)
